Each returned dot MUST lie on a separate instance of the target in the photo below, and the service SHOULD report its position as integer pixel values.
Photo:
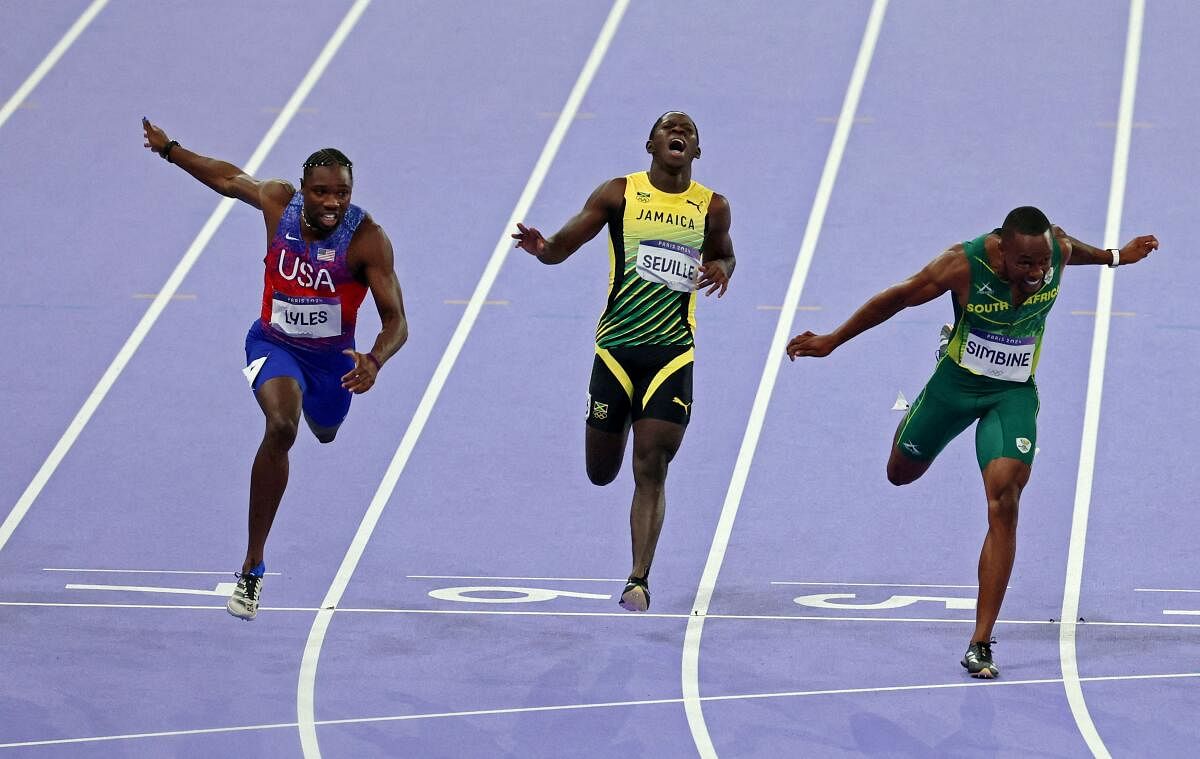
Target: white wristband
(1116, 257)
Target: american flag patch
(326, 254)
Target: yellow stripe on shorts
(617, 370)
(675, 364)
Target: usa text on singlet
(310, 296)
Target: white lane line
(222, 589)
(56, 52)
(1182, 612)
(156, 307)
(1165, 590)
(1095, 387)
(602, 705)
(316, 636)
(146, 571)
(762, 397)
(870, 585)
(546, 579)
(605, 614)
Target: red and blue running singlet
(310, 296)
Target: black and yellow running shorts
(954, 398)
(640, 382)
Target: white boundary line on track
(56, 52)
(316, 637)
(147, 571)
(168, 290)
(762, 397)
(547, 579)
(599, 705)
(1095, 387)
(868, 584)
(1165, 590)
(606, 614)
(145, 589)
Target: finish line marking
(605, 614)
(599, 705)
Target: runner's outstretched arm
(1079, 252)
(221, 176)
(949, 271)
(604, 202)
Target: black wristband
(166, 151)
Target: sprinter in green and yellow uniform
(1004, 284)
(668, 237)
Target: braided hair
(328, 157)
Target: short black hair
(328, 157)
(1025, 220)
(659, 120)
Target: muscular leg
(1003, 480)
(902, 469)
(323, 434)
(655, 443)
(280, 400)
(604, 452)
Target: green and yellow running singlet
(992, 337)
(651, 282)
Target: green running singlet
(987, 372)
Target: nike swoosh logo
(289, 237)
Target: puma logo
(698, 204)
(686, 406)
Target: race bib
(668, 263)
(999, 356)
(299, 316)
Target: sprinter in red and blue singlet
(323, 255)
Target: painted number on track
(829, 601)
(492, 594)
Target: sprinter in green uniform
(668, 236)
(1004, 284)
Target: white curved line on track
(762, 397)
(1095, 388)
(600, 705)
(305, 711)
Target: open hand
(715, 276)
(529, 239)
(361, 378)
(156, 138)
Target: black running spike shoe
(636, 596)
(978, 660)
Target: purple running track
(968, 110)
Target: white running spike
(901, 403)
